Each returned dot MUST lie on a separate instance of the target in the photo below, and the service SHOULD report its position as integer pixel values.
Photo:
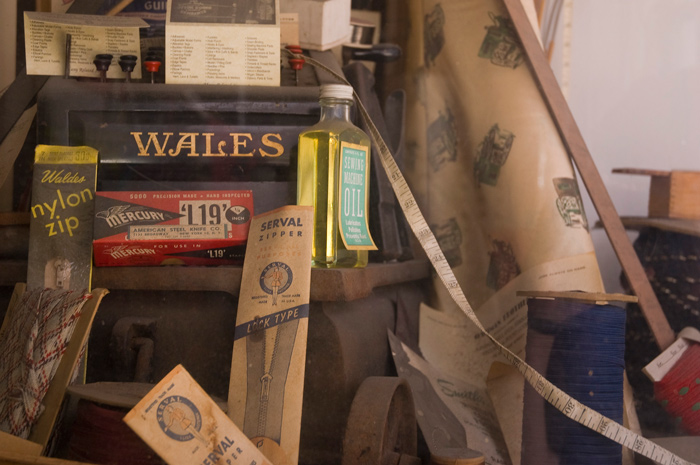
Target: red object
(100, 436)
(679, 391)
(296, 63)
(294, 49)
(152, 66)
(171, 227)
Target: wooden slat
(14, 218)
(641, 171)
(582, 296)
(338, 284)
(13, 458)
(576, 147)
(684, 195)
(689, 227)
(17, 445)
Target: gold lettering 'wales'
(569, 203)
(433, 34)
(501, 44)
(503, 266)
(207, 144)
(449, 237)
(442, 140)
(491, 154)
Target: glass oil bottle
(333, 177)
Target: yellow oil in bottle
(318, 182)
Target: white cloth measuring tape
(555, 396)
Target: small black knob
(102, 63)
(127, 63)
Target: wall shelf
(326, 285)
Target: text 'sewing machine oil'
(333, 167)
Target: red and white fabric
(37, 334)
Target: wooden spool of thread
(99, 435)
(576, 341)
(679, 391)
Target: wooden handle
(116, 9)
(576, 147)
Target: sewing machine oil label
(353, 214)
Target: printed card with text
(184, 426)
(269, 349)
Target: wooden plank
(17, 445)
(14, 218)
(672, 194)
(659, 197)
(576, 147)
(326, 284)
(689, 227)
(115, 394)
(8, 457)
(640, 171)
(684, 196)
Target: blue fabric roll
(579, 347)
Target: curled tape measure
(555, 396)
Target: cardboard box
(672, 194)
(323, 24)
(675, 194)
(179, 421)
(171, 227)
(60, 228)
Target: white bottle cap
(336, 91)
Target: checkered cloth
(34, 340)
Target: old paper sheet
(465, 403)
(45, 35)
(222, 42)
(453, 344)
